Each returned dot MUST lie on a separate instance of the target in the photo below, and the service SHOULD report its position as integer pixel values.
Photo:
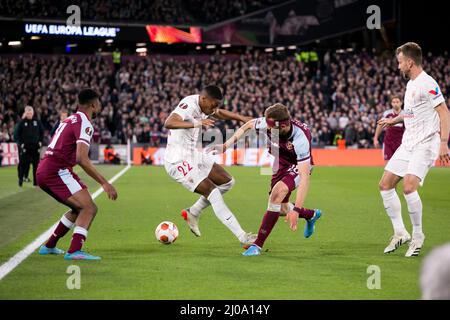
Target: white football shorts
(192, 171)
(417, 161)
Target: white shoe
(397, 241)
(192, 221)
(415, 245)
(248, 239)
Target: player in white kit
(426, 119)
(187, 164)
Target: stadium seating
(343, 96)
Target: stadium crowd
(340, 97)
(148, 11)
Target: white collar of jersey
(421, 74)
(82, 113)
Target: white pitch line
(20, 256)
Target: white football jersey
(420, 117)
(182, 143)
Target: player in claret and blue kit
(290, 144)
(68, 147)
(393, 134)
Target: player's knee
(410, 184)
(205, 188)
(384, 185)
(409, 187)
(227, 186)
(91, 209)
(278, 194)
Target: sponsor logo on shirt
(434, 92)
(183, 106)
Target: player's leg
(391, 200)
(279, 192)
(410, 185)
(50, 183)
(422, 160)
(414, 203)
(392, 205)
(82, 202)
(66, 223)
(224, 182)
(210, 191)
(310, 215)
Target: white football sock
(415, 211)
(69, 224)
(202, 203)
(224, 214)
(80, 230)
(393, 208)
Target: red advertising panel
(169, 34)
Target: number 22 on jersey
(184, 168)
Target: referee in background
(30, 134)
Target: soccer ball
(166, 232)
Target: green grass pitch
(332, 264)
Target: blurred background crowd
(340, 96)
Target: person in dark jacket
(30, 134)
(21, 174)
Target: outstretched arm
(387, 122)
(236, 136)
(228, 115)
(175, 121)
